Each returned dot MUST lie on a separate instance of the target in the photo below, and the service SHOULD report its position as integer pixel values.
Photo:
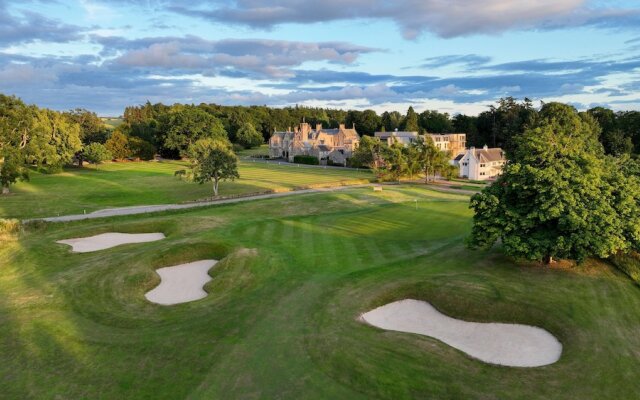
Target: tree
(92, 128)
(118, 145)
(96, 153)
(614, 140)
(368, 154)
(187, 124)
(391, 121)
(142, 149)
(558, 196)
(213, 161)
(248, 137)
(500, 125)
(366, 122)
(53, 140)
(430, 159)
(435, 122)
(12, 169)
(410, 122)
(393, 163)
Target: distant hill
(112, 122)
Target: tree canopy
(558, 196)
(213, 161)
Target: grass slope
(280, 320)
(128, 184)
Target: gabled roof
(459, 157)
(490, 155)
(322, 147)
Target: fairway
(281, 316)
(79, 190)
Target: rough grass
(79, 190)
(281, 318)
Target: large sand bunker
(496, 343)
(181, 283)
(109, 240)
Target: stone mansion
(335, 145)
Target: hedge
(309, 160)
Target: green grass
(256, 151)
(77, 190)
(280, 318)
(467, 187)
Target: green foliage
(558, 196)
(96, 153)
(499, 126)
(433, 121)
(142, 149)
(309, 160)
(118, 145)
(410, 122)
(366, 122)
(368, 153)
(53, 140)
(92, 128)
(187, 124)
(213, 161)
(429, 158)
(248, 137)
(12, 169)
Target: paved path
(112, 212)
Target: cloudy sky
(450, 55)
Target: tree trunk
(548, 260)
(215, 187)
(5, 189)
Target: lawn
(281, 317)
(77, 190)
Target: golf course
(281, 316)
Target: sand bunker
(496, 343)
(109, 240)
(181, 283)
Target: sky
(455, 56)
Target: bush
(118, 145)
(142, 149)
(628, 263)
(309, 160)
(237, 148)
(96, 153)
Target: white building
(480, 164)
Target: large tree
(248, 137)
(118, 145)
(185, 125)
(433, 121)
(213, 161)
(431, 160)
(410, 122)
(559, 195)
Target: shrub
(142, 149)
(309, 160)
(96, 153)
(118, 145)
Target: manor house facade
(336, 145)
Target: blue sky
(450, 55)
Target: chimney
(341, 126)
(485, 147)
(318, 127)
